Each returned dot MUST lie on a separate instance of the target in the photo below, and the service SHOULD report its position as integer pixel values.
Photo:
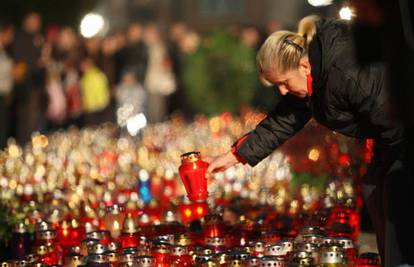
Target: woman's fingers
(221, 163)
(211, 168)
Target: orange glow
(187, 212)
(314, 154)
(242, 241)
(65, 232)
(200, 210)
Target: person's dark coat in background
(29, 93)
(134, 56)
(6, 81)
(178, 101)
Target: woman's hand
(221, 163)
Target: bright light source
(320, 2)
(136, 123)
(91, 25)
(143, 175)
(346, 13)
(313, 154)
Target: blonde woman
(316, 72)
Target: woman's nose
(283, 90)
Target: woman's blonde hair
(283, 50)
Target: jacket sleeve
(289, 116)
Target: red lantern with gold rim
(193, 174)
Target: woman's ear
(305, 65)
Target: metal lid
(308, 247)
(190, 156)
(169, 238)
(259, 247)
(85, 243)
(215, 241)
(145, 261)
(235, 263)
(299, 254)
(112, 256)
(41, 226)
(129, 226)
(238, 254)
(310, 230)
(308, 261)
(203, 257)
(114, 209)
(331, 247)
(161, 246)
(20, 228)
(183, 239)
(178, 250)
(142, 250)
(75, 250)
(346, 243)
(74, 259)
(31, 258)
(252, 261)
(316, 239)
(287, 245)
(272, 261)
(113, 246)
(97, 249)
(42, 250)
(47, 234)
(332, 257)
(127, 257)
(21, 263)
(97, 258)
(274, 250)
(170, 217)
(96, 234)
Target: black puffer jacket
(347, 98)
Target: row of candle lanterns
(91, 197)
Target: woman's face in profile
(292, 82)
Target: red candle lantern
(351, 251)
(258, 249)
(78, 232)
(200, 209)
(213, 226)
(169, 187)
(217, 244)
(186, 212)
(48, 238)
(180, 256)
(104, 236)
(48, 255)
(192, 172)
(73, 260)
(20, 242)
(113, 220)
(64, 234)
(161, 252)
(129, 236)
(368, 260)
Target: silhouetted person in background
(6, 81)
(134, 55)
(29, 91)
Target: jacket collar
(309, 84)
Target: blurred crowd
(54, 78)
